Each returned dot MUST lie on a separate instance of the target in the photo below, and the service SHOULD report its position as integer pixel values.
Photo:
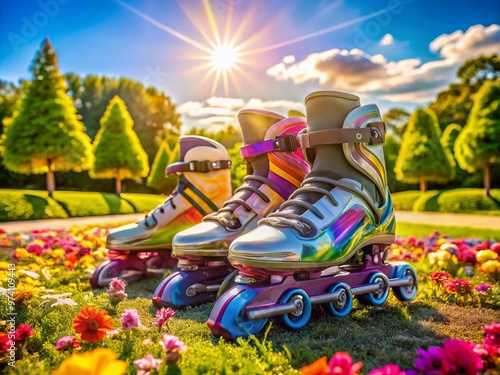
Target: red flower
(23, 332)
(4, 342)
(440, 277)
(459, 286)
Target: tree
(455, 103)
(422, 158)
(157, 178)
(46, 135)
(118, 151)
(447, 140)
(152, 111)
(391, 152)
(478, 145)
(396, 120)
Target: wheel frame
(371, 298)
(399, 291)
(291, 320)
(344, 310)
(125, 264)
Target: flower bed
(59, 325)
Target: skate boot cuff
(373, 134)
(202, 166)
(285, 143)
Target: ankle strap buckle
(282, 143)
(202, 166)
(373, 134)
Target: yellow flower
(24, 293)
(485, 255)
(100, 361)
(491, 266)
(443, 255)
(86, 261)
(59, 253)
(22, 253)
(4, 266)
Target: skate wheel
(131, 269)
(407, 292)
(379, 297)
(343, 305)
(301, 316)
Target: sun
(224, 58)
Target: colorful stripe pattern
(369, 159)
(287, 169)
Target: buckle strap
(373, 134)
(202, 166)
(284, 143)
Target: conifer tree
(422, 158)
(118, 151)
(46, 135)
(478, 145)
(164, 157)
(448, 139)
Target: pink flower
(116, 285)
(430, 361)
(341, 364)
(34, 248)
(67, 343)
(147, 364)
(4, 342)
(492, 334)
(23, 332)
(387, 370)
(130, 319)
(162, 316)
(459, 286)
(482, 288)
(459, 358)
(172, 346)
(440, 277)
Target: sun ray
(211, 21)
(160, 25)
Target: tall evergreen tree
(422, 158)
(478, 145)
(118, 151)
(164, 157)
(448, 139)
(46, 135)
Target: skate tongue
(255, 123)
(187, 143)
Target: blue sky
(396, 53)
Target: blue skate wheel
(301, 316)
(406, 292)
(379, 297)
(343, 305)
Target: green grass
(143, 202)
(28, 204)
(36, 204)
(421, 230)
(471, 201)
(79, 204)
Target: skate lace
(226, 215)
(161, 207)
(295, 221)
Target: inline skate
(275, 168)
(144, 247)
(329, 241)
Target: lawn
(50, 263)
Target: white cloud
(403, 80)
(290, 59)
(387, 40)
(475, 41)
(215, 112)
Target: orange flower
(92, 323)
(318, 367)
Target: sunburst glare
(224, 57)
